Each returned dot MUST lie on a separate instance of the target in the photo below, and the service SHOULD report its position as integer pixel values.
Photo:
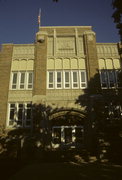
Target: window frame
(18, 83)
(24, 119)
(48, 83)
(81, 82)
(77, 73)
(115, 78)
(58, 83)
(64, 80)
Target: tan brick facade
(56, 49)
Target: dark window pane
(20, 113)
(12, 105)
(30, 78)
(68, 135)
(14, 86)
(58, 76)
(22, 78)
(51, 77)
(66, 76)
(79, 135)
(57, 136)
(14, 78)
(28, 116)
(74, 76)
(82, 76)
(28, 123)
(12, 111)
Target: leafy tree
(104, 117)
(117, 15)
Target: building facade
(55, 71)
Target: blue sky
(18, 18)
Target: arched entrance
(67, 128)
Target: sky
(19, 18)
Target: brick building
(55, 71)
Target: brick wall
(5, 67)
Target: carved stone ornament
(40, 38)
(90, 37)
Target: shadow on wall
(104, 120)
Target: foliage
(117, 15)
(104, 117)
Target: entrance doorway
(68, 136)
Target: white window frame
(65, 81)
(27, 80)
(81, 82)
(48, 83)
(12, 75)
(26, 83)
(19, 80)
(77, 79)
(56, 82)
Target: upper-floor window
(22, 80)
(75, 79)
(51, 79)
(58, 79)
(67, 79)
(110, 78)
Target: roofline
(106, 43)
(65, 27)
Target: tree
(104, 118)
(117, 15)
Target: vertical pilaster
(91, 54)
(54, 47)
(77, 44)
(40, 64)
(5, 71)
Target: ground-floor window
(19, 114)
(67, 135)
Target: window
(110, 78)
(51, 80)
(67, 135)
(30, 80)
(119, 78)
(59, 80)
(14, 80)
(12, 113)
(83, 81)
(104, 79)
(75, 79)
(22, 80)
(67, 80)
(20, 114)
